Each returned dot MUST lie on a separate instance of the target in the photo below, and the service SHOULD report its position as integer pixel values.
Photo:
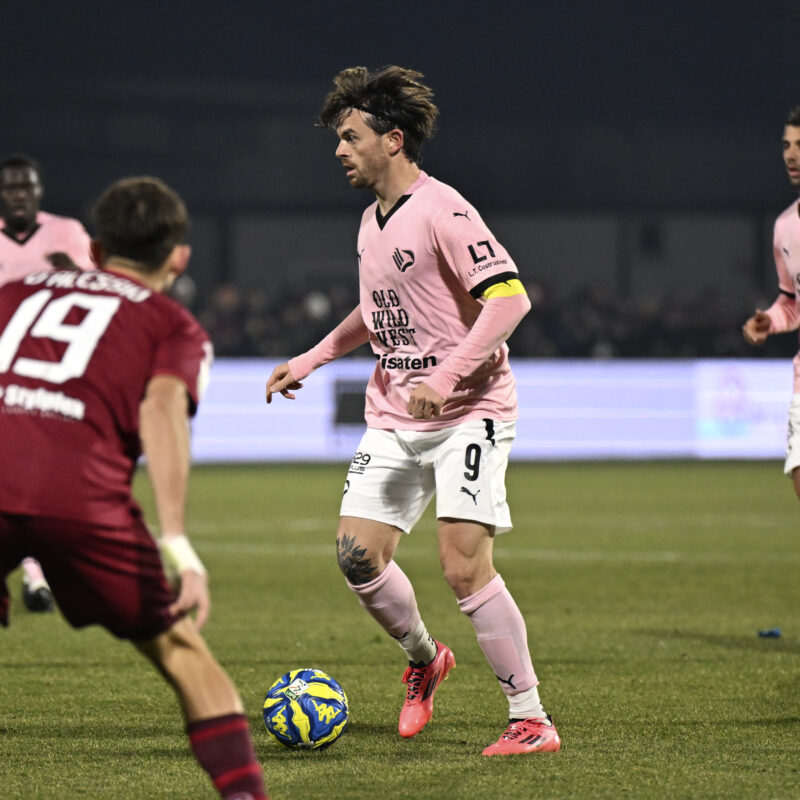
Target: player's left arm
(165, 438)
(506, 303)
(471, 251)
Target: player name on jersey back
(89, 282)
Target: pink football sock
(390, 599)
(501, 635)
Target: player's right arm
(756, 329)
(282, 382)
(165, 438)
(349, 334)
(783, 315)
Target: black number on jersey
(472, 461)
(475, 257)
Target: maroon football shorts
(98, 575)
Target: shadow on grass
(371, 740)
(275, 753)
(770, 722)
(745, 642)
(87, 729)
(35, 663)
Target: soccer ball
(305, 709)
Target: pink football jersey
(786, 250)
(77, 350)
(422, 269)
(52, 234)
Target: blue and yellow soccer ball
(305, 709)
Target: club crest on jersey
(403, 259)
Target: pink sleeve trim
(495, 323)
(349, 334)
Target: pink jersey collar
(423, 176)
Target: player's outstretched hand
(756, 329)
(424, 403)
(193, 596)
(282, 381)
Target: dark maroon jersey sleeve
(185, 353)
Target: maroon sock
(224, 750)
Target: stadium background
(628, 154)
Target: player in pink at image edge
(32, 240)
(439, 296)
(784, 314)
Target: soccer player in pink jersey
(96, 367)
(784, 315)
(439, 296)
(32, 239)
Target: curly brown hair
(392, 97)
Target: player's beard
(357, 180)
(365, 174)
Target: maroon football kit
(77, 350)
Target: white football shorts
(793, 437)
(394, 475)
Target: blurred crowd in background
(589, 322)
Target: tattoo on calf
(355, 567)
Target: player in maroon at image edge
(95, 368)
(32, 240)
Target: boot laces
(514, 731)
(414, 677)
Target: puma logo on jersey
(785, 250)
(473, 496)
(459, 214)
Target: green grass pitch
(643, 586)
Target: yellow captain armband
(505, 289)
